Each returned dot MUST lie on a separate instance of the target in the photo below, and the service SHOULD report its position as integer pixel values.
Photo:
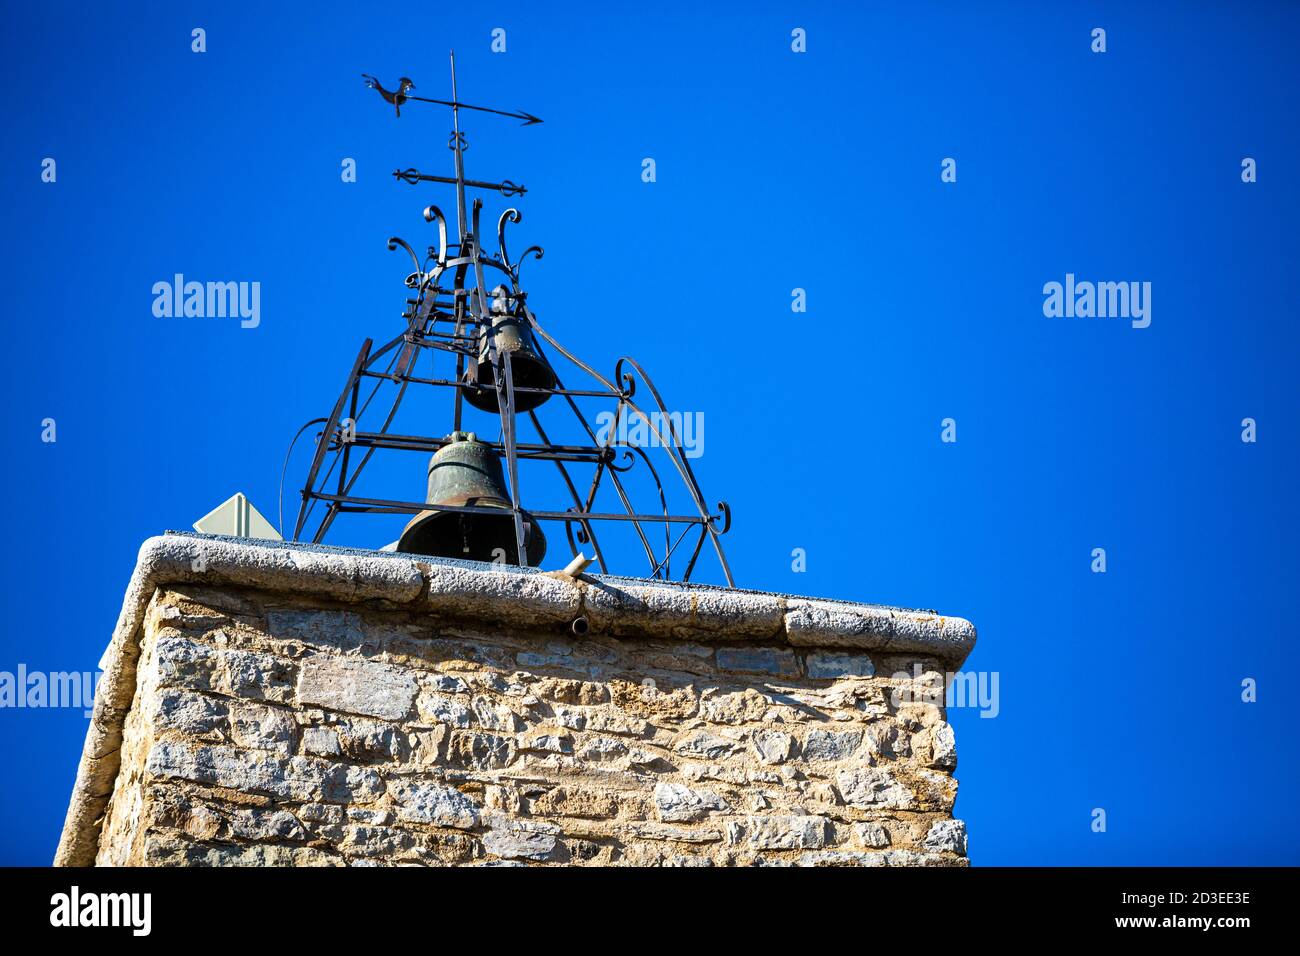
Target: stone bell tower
(442, 701)
(298, 705)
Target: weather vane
(492, 338)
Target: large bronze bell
(466, 472)
(528, 369)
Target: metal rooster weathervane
(492, 337)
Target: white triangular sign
(238, 518)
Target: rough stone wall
(277, 730)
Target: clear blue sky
(775, 170)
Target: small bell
(512, 334)
(467, 472)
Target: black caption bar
(314, 906)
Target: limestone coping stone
(506, 595)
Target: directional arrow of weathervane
(528, 118)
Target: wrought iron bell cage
(503, 363)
